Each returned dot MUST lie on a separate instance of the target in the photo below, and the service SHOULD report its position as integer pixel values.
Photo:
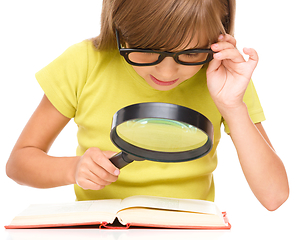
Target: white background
(33, 33)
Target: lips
(162, 83)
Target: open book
(143, 211)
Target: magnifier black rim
(163, 111)
(158, 155)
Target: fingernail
(116, 172)
(217, 55)
(216, 45)
(221, 37)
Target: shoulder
(92, 55)
(84, 57)
(86, 48)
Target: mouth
(162, 83)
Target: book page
(188, 205)
(167, 218)
(169, 212)
(110, 206)
(68, 213)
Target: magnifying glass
(160, 132)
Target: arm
(261, 165)
(29, 164)
(228, 77)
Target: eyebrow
(205, 46)
(208, 46)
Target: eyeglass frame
(162, 54)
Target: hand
(94, 170)
(229, 74)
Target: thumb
(253, 57)
(214, 65)
(109, 154)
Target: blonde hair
(163, 24)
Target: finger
(214, 65)
(253, 56)
(99, 179)
(229, 54)
(102, 176)
(109, 154)
(100, 159)
(95, 173)
(227, 38)
(88, 184)
(220, 46)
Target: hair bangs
(169, 25)
(165, 25)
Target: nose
(167, 68)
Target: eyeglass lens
(147, 57)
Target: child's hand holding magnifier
(94, 170)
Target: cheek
(142, 71)
(190, 71)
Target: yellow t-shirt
(90, 86)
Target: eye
(143, 57)
(150, 53)
(191, 55)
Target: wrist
(229, 108)
(236, 116)
(71, 176)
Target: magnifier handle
(120, 160)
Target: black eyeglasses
(148, 57)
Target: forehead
(197, 40)
(192, 40)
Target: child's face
(168, 74)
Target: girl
(93, 79)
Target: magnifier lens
(163, 135)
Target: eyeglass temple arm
(117, 38)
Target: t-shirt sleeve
(254, 106)
(63, 79)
